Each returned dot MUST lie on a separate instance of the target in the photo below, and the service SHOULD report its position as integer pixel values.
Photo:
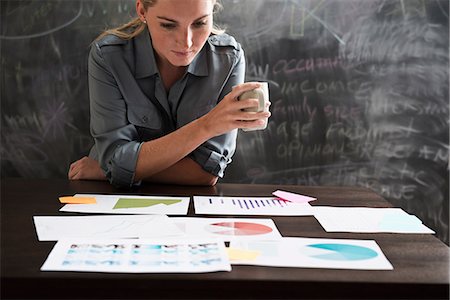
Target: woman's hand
(229, 114)
(86, 168)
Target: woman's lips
(182, 53)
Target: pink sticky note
(292, 197)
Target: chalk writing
(38, 13)
(359, 92)
(306, 65)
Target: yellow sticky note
(77, 200)
(241, 254)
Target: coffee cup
(262, 94)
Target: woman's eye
(168, 25)
(200, 24)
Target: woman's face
(179, 28)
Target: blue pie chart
(343, 252)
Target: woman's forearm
(184, 172)
(157, 155)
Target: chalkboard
(359, 93)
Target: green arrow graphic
(142, 202)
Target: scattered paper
(77, 200)
(314, 253)
(217, 205)
(292, 197)
(368, 219)
(53, 228)
(138, 256)
(131, 204)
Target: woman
(163, 98)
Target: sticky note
(77, 200)
(241, 254)
(292, 197)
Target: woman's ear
(140, 10)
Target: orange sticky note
(77, 200)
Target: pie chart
(238, 228)
(343, 252)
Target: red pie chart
(238, 228)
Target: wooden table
(421, 262)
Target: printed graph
(314, 253)
(138, 256)
(131, 204)
(343, 252)
(239, 228)
(143, 202)
(227, 229)
(249, 206)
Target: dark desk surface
(421, 268)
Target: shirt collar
(145, 56)
(199, 66)
(146, 63)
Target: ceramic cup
(262, 94)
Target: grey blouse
(129, 104)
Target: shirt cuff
(212, 162)
(217, 164)
(122, 167)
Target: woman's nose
(185, 38)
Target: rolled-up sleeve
(215, 154)
(116, 140)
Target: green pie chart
(343, 252)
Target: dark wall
(359, 93)
(44, 97)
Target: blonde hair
(136, 26)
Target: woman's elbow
(213, 181)
(208, 180)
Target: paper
(368, 219)
(314, 253)
(216, 205)
(292, 197)
(53, 228)
(131, 204)
(138, 256)
(228, 229)
(77, 200)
